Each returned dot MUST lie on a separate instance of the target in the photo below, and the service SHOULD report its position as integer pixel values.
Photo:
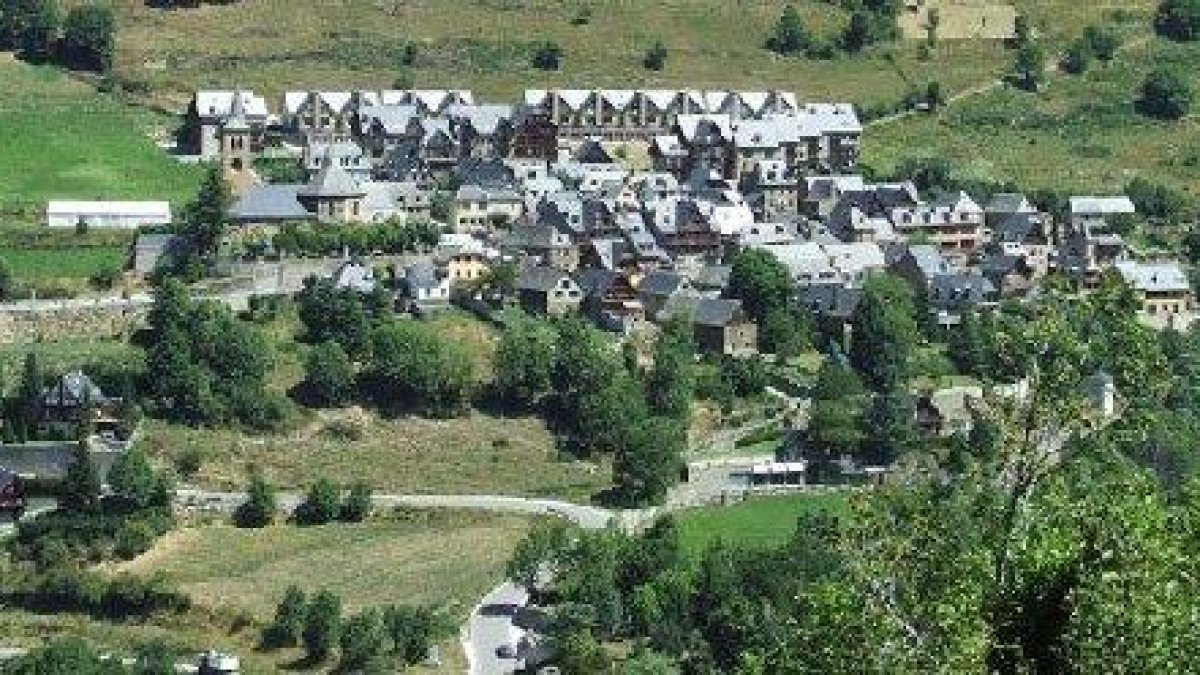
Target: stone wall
(70, 321)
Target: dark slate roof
(591, 152)
(879, 201)
(540, 278)
(1015, 227)
(596, 282)
(531, 236)
(660, 284)
(269, 203)
(72, 389)
(960, 290)
(486, 173)
(716, 312)
(832, 300)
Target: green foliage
(329, 375)
(786, 332)
(62, 656)
(81, 486)
(885, 332)
(1178, 19)
(207, 217)
(136, 484)
(1077, 58)
(411, 365)
(858, 32)
(290, 613)
(1166, 94)
(363, 641)
(790, 36)
(89, 38)
(648, 463)
(746, 376)
(390, 237)
(322, 504)
(322, 624)
(1103, 41)
(339, 315)
(1030, 66)
(537, 553)
(760, 281)
(547, 56)
(656, 56)
(1154, 200)
(670, 384)
(260, 506)
(38, 40)
(524, 364)
(357, 506)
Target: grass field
(475, 454)
(64, 355)
(439, 558)
(756, 523)
(63, 263)
(63, 140)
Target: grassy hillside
(758, 523)
(1080, 133)
(486, 44)
(63, 140)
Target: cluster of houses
(628, 205)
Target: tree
(885, 332)
(288, 624)
(1166, 94)
(858, 32)
(322, 623)
(789, 36)
(891, 426)
(31, 392)
(81, 486)
(207, 216)
(329, 375)
(656, 56)
(934, 98)
(357, 506)
(259, 508)
(1022, 30)
(89, 38)
(412, 365)
(760, 281)
(1178, 19)
(1077, 58)
(537, 553)
(647, 464)
(548, 56)
(363, 641)
(524, 364)
(1030, 66)
(64, 655)
(1103, 41)
(786, 332)
(321, 505)
(136, 483)
(39, 36)
(7, 284)
(411, 630)
(670, 384)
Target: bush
(1078, 58)
(188, 462)
(259, 508)
(1102, 41)
(656, 57)
(357, 506)
(321, 506)
(1166, 95)
(1178, 19)
(548, 56)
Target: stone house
(1163, 290)
(548, 291)
(211, 111)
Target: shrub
(548, 56)
(357, 506)
(321, 505)
(1178, 19)
(259, 508)
(1103, 41)
(1165, 94)
(1078, 58)
(656, 57)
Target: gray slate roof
(331, 181)
(540, 278)
(270, 203)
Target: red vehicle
(12, 494)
